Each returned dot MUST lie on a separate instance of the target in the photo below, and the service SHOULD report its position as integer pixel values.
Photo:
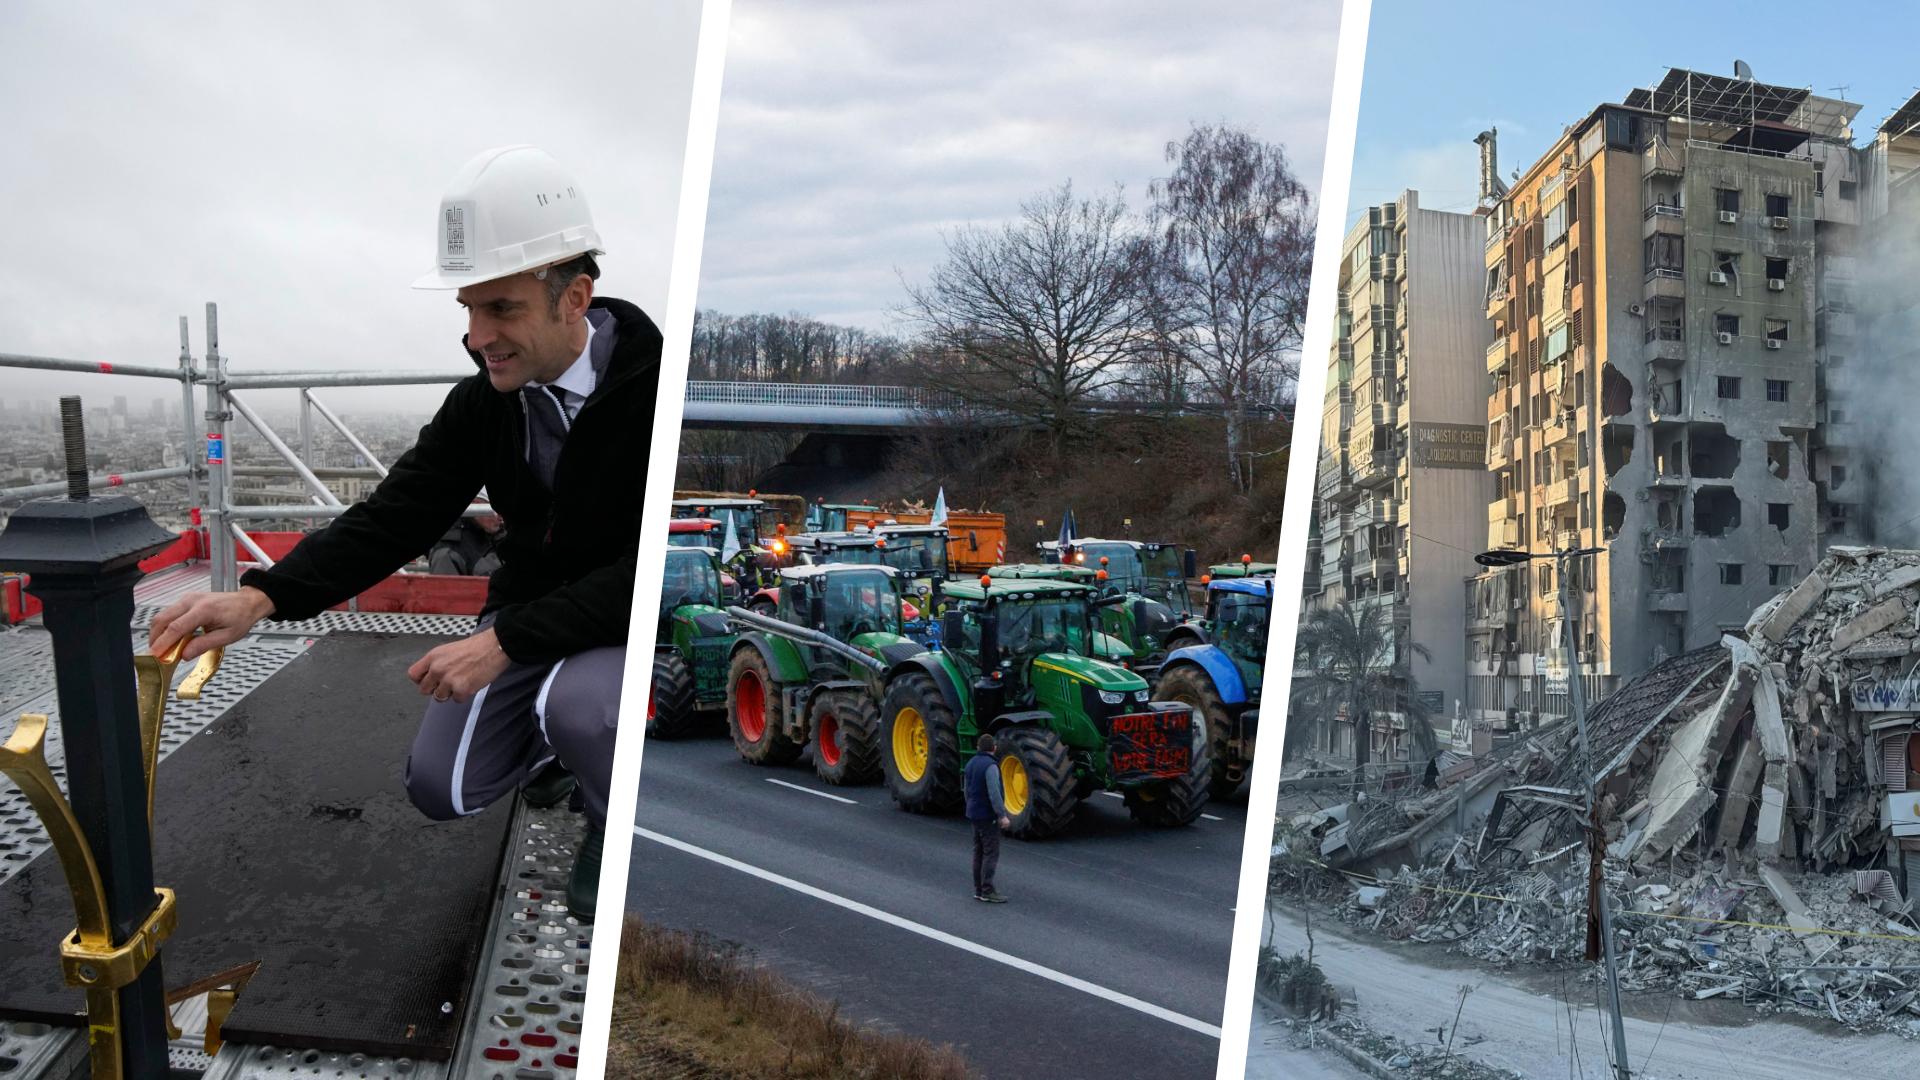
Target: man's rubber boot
(583, 886)
(549, 786)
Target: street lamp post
(1599, 907)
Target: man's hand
(459, 669)
(226, 618)
(1006, 822)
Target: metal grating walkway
(529, 997)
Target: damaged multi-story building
(1402, 465)
(1657, 286)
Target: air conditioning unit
(1726, 338)
(1779, 221)
(1775, 284)
(1775, 343)
(1718, 277)
(1728, 217)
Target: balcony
(1558, 428)
(1661, 158)
(1372, 468)
(1497, 238)
(1497, 354)
(1666, 283)
(1498, 455)
(1566, 540)
(1667, 345)
(1662, 218)
(1503, 534)
(1561, 491)
(1378, 510)
(1505, 508)
(1667, 601)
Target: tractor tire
(753, 712)
(670, 713)
(1172, 803)
(1036, 782)
(1190, 684)
(920, 746)
(846, 738)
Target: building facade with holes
(1402, 464)
(1665, 287)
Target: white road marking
(1072, 982)
(1113, 795)
(810, 791)
(1210, 817)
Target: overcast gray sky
(851, 133)
(287, 161)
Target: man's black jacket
(565, 582)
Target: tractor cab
(691, 578)
(696, 532)
(1024, 636)
(744, 513)
(811, 548)
(690, 653)
(833, 517)
(1153, 579)
(845, 601)
(918, 550)
(1239, 611)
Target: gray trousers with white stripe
(466, 755)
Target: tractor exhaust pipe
(806, 636)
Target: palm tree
(1347, 663)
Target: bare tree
(1233, 243)
(1040, 316)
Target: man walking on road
(555, 426)
(987, 809)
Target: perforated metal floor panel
(531, 983)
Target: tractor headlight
(1139, 695)
(1112, 697)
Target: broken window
(1727, 265)
(1777, 515)
(1730, 573)
(1715, 510)
(1779, 574)
(1779, 454)
(1779, 206)
(1777, 390)
(1777, 269)
(1777, 331)
(1837, 516)
(1726, 325)
(1836, 475)
(1712, 453)
(1728, 386)
(1849, 190)
(1616, 393)
(1616, 449)
(1613, 514)
(1727, 200)
(1665, 252)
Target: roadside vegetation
(688, 1007)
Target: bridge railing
(811, 395)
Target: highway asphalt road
(1110, 959)
(1536, 1032)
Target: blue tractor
(1216, 668)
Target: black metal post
(82, 553)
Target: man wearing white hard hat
(555, 426)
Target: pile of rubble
(1754, 803)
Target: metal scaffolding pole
(224, 566)
(300, 381)
(189, 449)
(352, 439)
(104, 480)
(320, 490)
(48, 363)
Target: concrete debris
(1758, 804)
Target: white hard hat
(510, 210)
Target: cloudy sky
(851, 133)
(1431, 85)
(287, 161)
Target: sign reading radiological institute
(1449, 446)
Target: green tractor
(1016, 659)
(1159, 608)
(690, 653)
(813, 671)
